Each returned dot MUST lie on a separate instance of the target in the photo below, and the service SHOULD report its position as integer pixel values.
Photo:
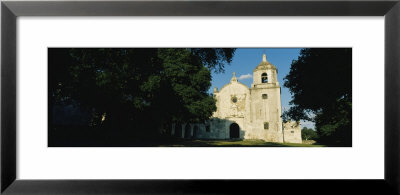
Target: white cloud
(245, 76)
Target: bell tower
(266, 102)
(264, 73)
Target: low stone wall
(292, 132)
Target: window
(264, 96)
(207, 128)
(266, 125)
(234, 99)
(264, 78)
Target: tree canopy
(133, 88)
(320, 81)
(308, 134)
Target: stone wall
(292, 132)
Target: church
(246, 113)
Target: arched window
(188, 131)
(264, 78)
(195, 131)
(264, 96)
(207, 128)
(178, 130)
(266, 125)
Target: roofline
(231, 83)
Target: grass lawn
(231, 143)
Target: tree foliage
(320, 82)
(136, 88)
(308, 134)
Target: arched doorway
(178, 130)
(234, 131)
(187, 131)
(195, 131)
(167, 129)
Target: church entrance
(234, 131)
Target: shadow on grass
(229, 143)
(88, 137)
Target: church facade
(246, 113)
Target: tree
(137, 89)
(321, 85)
(308, 134)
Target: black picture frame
(10, 10)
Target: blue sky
(246, 59)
